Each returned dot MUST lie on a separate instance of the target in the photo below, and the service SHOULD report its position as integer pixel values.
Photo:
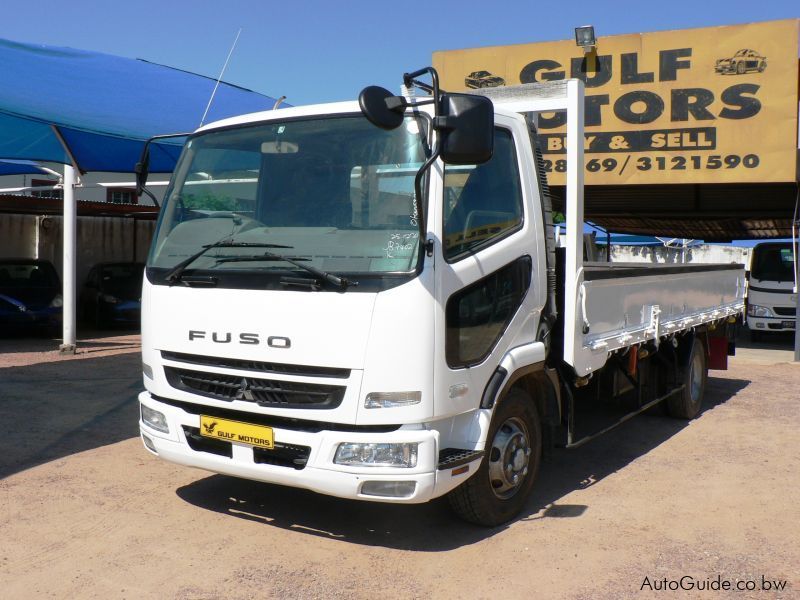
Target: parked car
(743, 61)
(30, 295)
(112, 294)
(14, 314)
(483, 79)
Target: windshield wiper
(174, 275)
(340, 282)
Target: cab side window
(482, 203)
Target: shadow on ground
(55, 409)
(783, 340)
(431, 527)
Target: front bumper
(771, 323)
(319, 474)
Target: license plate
(236, 431)
(787, 324)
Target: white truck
(772, 289)
(365, 299)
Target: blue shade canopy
(20, 168)
(103, 106)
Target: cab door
(489, 267)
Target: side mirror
(466, 127)
(142, 169)
(382, 108)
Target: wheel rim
(509, 458)
(696, 377)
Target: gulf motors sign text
(706, 105)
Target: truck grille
(264, 392)
(784, 311)
(255, 365)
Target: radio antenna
(221, 73)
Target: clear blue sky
(319, 51)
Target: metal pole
(69, 252)
(574, 255)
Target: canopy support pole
(69, 251)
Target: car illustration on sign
(742, 62)
(483, 79)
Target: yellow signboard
(712, 105)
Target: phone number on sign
(660, 163)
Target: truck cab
(394, 358)
(772, 291)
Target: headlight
(155, 419)
(109, 298)
(377, 455)
(754, 310)
(57, 302)
(391, 399)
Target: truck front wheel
(500, 488)
(686, 404)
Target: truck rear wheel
(500, 488)
(687, 403)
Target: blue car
(30, 295)
(112, 295)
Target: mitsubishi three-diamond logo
(244, 393)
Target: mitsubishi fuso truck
(365, 299)
(772, 289)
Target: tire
(761, 67)
(740, 68)
(498, 491)
(687, 403)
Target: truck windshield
(773, 262)
(337, 192)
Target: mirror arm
(147, 192)
(410, 79)
(143, 166)
(418, 193)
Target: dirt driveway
(86, 512)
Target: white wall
(100, 239)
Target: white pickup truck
(365, 299)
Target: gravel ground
(88, 513)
